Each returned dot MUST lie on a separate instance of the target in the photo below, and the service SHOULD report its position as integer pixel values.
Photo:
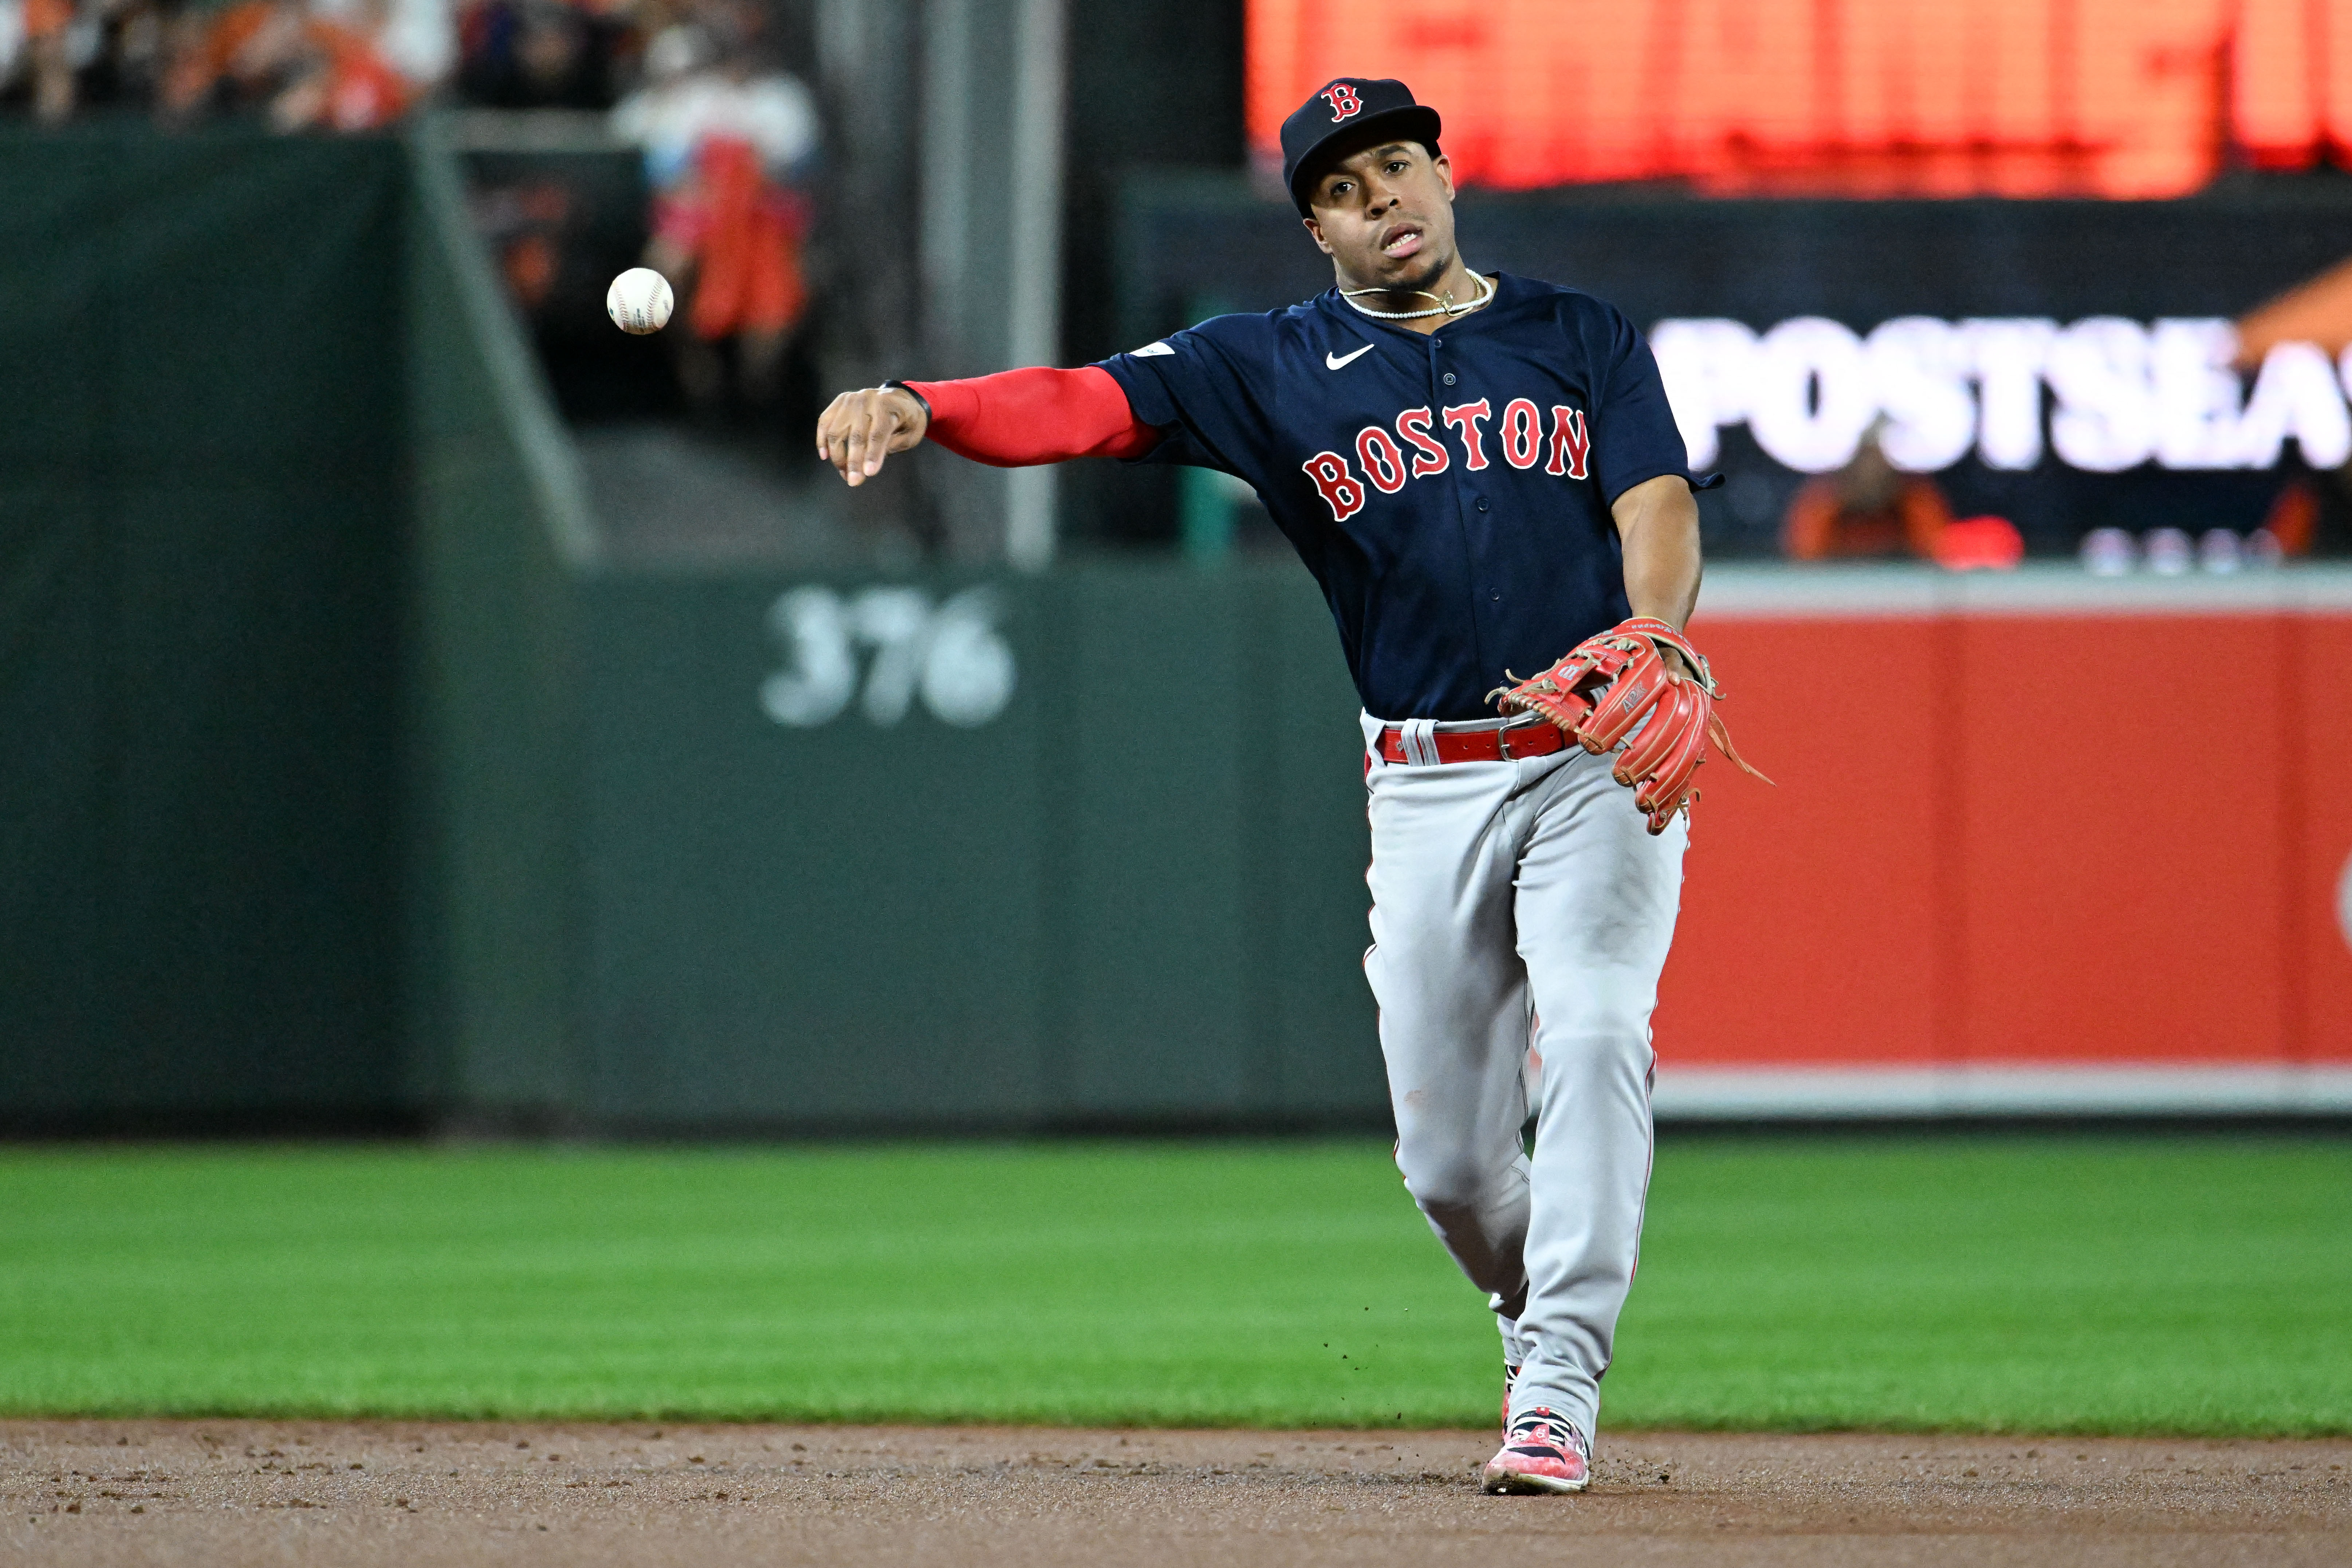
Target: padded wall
(2130, 855)
(202, 505)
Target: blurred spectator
(1869, 508)
(723, 145)
(418, 38)
(2311, 514)
(46, 26)
(131, 39)
(524, 225)
(57, 57)
(545, 54)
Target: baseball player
(1483, 473)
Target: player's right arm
(1014, 419)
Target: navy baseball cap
(1356, 111)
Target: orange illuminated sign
(2116, 97)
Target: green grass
(2053, 1285)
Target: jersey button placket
(1446, 378)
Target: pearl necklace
(1446, 308)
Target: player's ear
(1444, 167)
(1316, 230)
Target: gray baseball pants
(1521, 912)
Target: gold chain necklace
(1445, 307)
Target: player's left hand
(861, 428)
(1639, 686)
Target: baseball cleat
(1541, 1453)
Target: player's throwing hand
(861, 428)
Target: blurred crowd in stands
(727, 136)
(354, 65)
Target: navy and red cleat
(1541, 1453)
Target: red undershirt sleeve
(1021, 417)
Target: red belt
(1481, 745)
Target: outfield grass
(2056, 1285)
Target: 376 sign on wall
(883, 649)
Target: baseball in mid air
(639, 300)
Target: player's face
(1386, 217)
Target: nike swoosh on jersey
(1336, 362)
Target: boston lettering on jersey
(1386, 466)
(1450, 491)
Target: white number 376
(949, 653)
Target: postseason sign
(2101, 394)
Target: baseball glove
(1616, 685)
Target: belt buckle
(1503, 737)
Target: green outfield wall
(1081, 848)
(204, 499)
(341, 783)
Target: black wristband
(921, 401)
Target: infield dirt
(421, 1495)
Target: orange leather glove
(1613, 691)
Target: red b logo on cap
(1344, 102)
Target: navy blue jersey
(1450, 493)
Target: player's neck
(1453, 286)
